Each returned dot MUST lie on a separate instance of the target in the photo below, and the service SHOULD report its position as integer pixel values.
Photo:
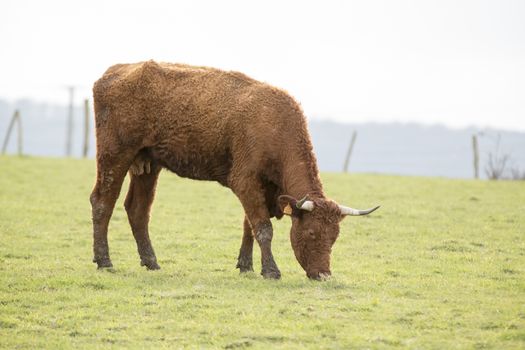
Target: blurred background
(433, 88)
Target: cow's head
(315, 227)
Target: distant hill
(406, 149)
(412, 149)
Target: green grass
(441, 265)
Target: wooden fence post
(20, 138)
(86, 128)
(349, 152)
(475, 150)
(14, 119)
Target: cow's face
(313, 233)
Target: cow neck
(301, 178)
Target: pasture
(441, 265)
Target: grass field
(441, 265)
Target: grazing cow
(208, 124)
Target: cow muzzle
(319, 276)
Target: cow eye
(310, 234)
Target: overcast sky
(455, 62)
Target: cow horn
(355, 212)
(305, 204)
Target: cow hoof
(104, 265)
(244, 265)
(274, 275)
(153, 266)
(150, 265)
(245, 269)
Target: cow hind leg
(111, 171)
(144, 175)
(245, 259)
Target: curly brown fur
(207, 124)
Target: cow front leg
(138, 205)
(264, 234)
(245, 259)
(250, 192)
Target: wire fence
(406, 149)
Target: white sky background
(456, 63)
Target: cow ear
(287, 204)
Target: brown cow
(207, 124)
